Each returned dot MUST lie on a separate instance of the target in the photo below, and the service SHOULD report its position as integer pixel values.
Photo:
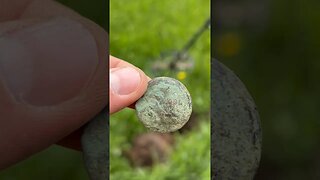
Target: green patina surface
(166, 106)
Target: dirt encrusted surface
(236, 133)
(95, 146)
(166, 105)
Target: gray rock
(236, 133)
(95, 146)
(166, 105)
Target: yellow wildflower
(181, 75)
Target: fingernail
(124, 81)
(48, 63)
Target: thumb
(127, 85)
(53, 79)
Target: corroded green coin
(166, 106)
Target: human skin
(47, 97)
(127, 84)
(117, 100)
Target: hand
(53, 76)
(127, 84)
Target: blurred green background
(140, 31)
(58, 163)
(273, 46)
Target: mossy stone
(166, 105)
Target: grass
(139, 32)
(189, 160)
